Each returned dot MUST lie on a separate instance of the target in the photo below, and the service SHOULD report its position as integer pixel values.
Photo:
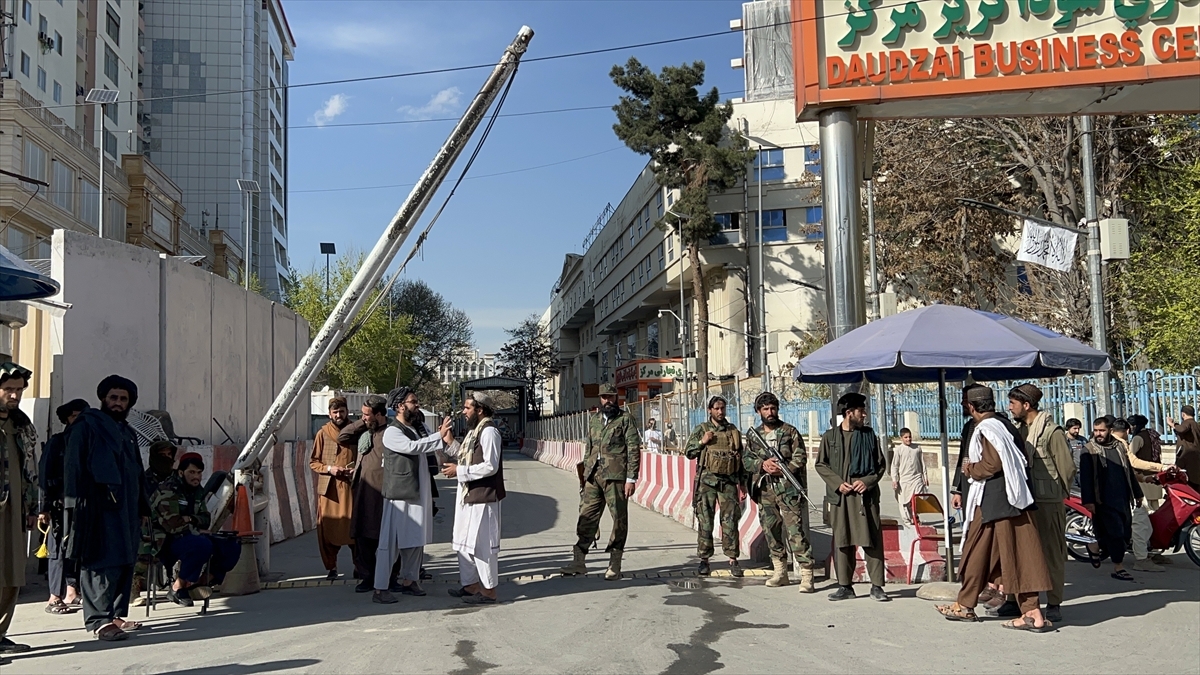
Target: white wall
(225, 352)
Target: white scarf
(1013, 464)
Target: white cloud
(445, 101)
(357, 38)
(336, 105)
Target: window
(632, 240)
(35, 160)
(638, 222)
(57, 92)
(110, 111)
(280, 223)
(27, 11)
(160, 223)
(41, 79)
(814, 220)
(652, 339)
(18, 241)
(58, 42)
(89, 202)
(24, 64)
(729, 222)
(631, 342)
(670, 242)
(43, 25)
(660, 258)
(114, 219)
(774, 226)
(812, 159)
(768, 165)
(110, 142)
(658, 203)
(646, 218)
(604, 366)
(111, 64)
(112, 26)
(62, 186)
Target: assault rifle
(775, 455)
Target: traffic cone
(243, 578)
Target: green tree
(443, 333)
(370, 356)
(528, 355)
(691, 149)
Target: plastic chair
(922, 503)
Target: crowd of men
(1014, 475)
(376, 494)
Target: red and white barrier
(895, 566)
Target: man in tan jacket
(1052, 472)
(333, 463)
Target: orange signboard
(996, 57)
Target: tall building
(470, 366)
(618, 313)
(217, 113)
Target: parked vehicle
(1175, 525)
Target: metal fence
(1153, 393)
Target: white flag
(1051, 247)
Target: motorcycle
(1175, 525)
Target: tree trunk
(700, 296)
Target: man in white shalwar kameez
(480, 474)
(407, 524)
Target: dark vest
(401, 477)
(488, 489)
(995, 505)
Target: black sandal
(1123, 575)
(59, 607)
(1094, 558)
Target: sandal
(59, 607)
(131, 625)
(1123, 575)
(957, 612)
(110, 633)
(987, 594)
(1026, 624)
(1094, 558)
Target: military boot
(806, 579)
(577, 565)
(614, 566)
(779, 577)
(139, 600)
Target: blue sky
(499, 247)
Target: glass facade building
(216, 75)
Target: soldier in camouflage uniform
(609, 471)
(717, 445)
(162, 467)
(781, 508)
(181, 521)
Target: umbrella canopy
(19, 281)
(917, 345)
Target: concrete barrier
(665, 486)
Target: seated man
(182, 516)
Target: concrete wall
(197, 345)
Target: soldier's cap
(978, 392)
(608, 390)
(191, 458)
(159, 446)
(1026, 393)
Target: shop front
(645, 379)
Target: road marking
(664, 574)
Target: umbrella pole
(945, 462)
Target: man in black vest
(407, 524)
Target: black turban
(117, 382)
(65, 410)
(851, 401)
(396, 397)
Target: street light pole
(100, 98)
(1099, 331)
(250, 187)
(329, 248)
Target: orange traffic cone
(243, 578)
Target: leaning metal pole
(381, 256)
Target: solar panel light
(328, 248)
(248, 185)
(102, 96)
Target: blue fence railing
(1153, 393)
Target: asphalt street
(664, 620)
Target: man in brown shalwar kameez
(1001, 539)
(333, 463)
(367, 485)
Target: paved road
(656, 623)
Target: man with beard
(781, 507)
(851, 463)
(1000, 538)
(407, 524)
(162, 465)
(18, 494)
(62, 574)
(395, 403)
(1109, 489)
(367, 487)
(1187, 444)
(717, 447)
(612, 457)
(106, 503)
(480, 475)
(333, 463)
(1052, 473)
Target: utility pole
(1099, 330)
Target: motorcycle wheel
(1077, 523)
(1191, 542)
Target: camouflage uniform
(173, 500)
(781, 509)
(714, 489)
(152, 537)
(611, 457)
